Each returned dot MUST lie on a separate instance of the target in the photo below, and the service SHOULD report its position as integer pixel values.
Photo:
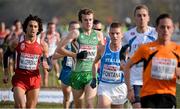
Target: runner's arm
(57, 56)
(12, 45)
(178, 70)
(127, 74)
(61, 49)
(100, 38)
(47, 65)
(96, 61)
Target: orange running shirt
(159, 67)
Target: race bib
(28, 61)
(91, 51)
(163, 69)
(111, 73)
(69, 61)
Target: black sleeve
(49, 63)
(5, 57)
(122, 54)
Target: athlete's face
(74, 26)
(18, 25)
(32, 28)
(141, 18)
(87, 21)
(116, 35)
(98, 27)
(52, 28)
(165, 29)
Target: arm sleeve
(123, 52)
(6, 55)
(138, 55)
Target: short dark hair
(115, 25)
(85, 11)
(162, 16)
(73, 22)
(33, 18)
(141, 6)
(16, 21)
(51, 23)
(95, 22)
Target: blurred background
(66, 10)
(63, 11)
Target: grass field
(53, 83)
(39, 105)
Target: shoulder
(150, 46)
(176, 47)
(57, 34)
(14, 43)
(151, 28)
(130, 33)
(73, 34)
(43, 44)
(152, 31)
(42, 35)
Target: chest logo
(22, 47)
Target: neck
(142, 29)
(87, 32)
(18, 31)
(50, 32)
(164, 42)
(115, 46)
(30, 39)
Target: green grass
(53, 83)
(9, 104)
(178, 96)
(53, 80)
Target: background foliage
(65, 10)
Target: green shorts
(80, 79)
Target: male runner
(136, 36)
(27, 80)
(88, 40)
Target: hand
(93, 83)
(122, 66)
(5, 79)
(130, 95)
(82, 55)
(47, 64)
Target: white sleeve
(125, 39)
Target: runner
(161, 66)
(10, 57)
(52, 38)
(112, 90)
(27, 80)
(67, 65)
(87, 40)
(136, 36)
(3, 35)
(97, 25)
